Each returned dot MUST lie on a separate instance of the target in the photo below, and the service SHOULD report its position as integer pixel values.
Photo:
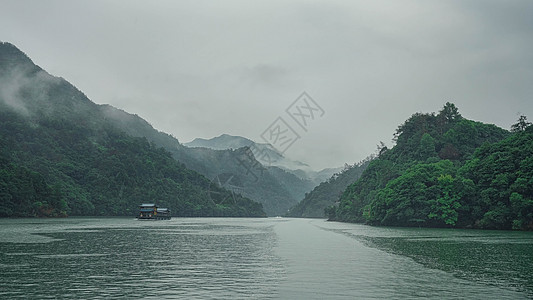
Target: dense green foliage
(328, 192)
(276, 189)
(60, 154)
(446, 171)
(502, 174)
(24, 192)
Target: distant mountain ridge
(266, 154)
(328, 193)
(269, 155)
(276, 189)
(222, 142)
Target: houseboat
(152, 212)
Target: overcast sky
(204, 68)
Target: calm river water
(275, 258)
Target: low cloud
(23, 85)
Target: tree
(426, 149)
(521, 125)
(382, 148)
(447, 115)
(444, 207)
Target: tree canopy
(447, 171)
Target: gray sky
(204, 68)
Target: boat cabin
(150, 211)
(163, 213)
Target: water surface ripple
(216, 258)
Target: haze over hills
(60, 154)
(236, 170)
(328, 192)
(266, 154)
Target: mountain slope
(222, 142)
(446, 171)
(275, 188)
(265, 153)
(271, 190)
(328, 192)
(502, 177)
(79, 162)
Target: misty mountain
(31, 92)
(328, 192)
(236, 169)
(266, 155)
(274, 183)
(60, 154)
(222, 142)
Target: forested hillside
(276, 189)
(267, 155)
(447, 171)
(328, 192)
(60, 154)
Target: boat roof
(148, 204)
(162, 209)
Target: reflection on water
(127, 258)
(83, 258)
(496, 258)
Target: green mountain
(62, 154)
(446, 171)
(235, 169)
(328, 192)
(239, 170)
(267, 155)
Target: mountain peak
(12, 56)
(221, 142)
(264, 153)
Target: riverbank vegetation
(447, 171)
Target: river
(274, 258)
